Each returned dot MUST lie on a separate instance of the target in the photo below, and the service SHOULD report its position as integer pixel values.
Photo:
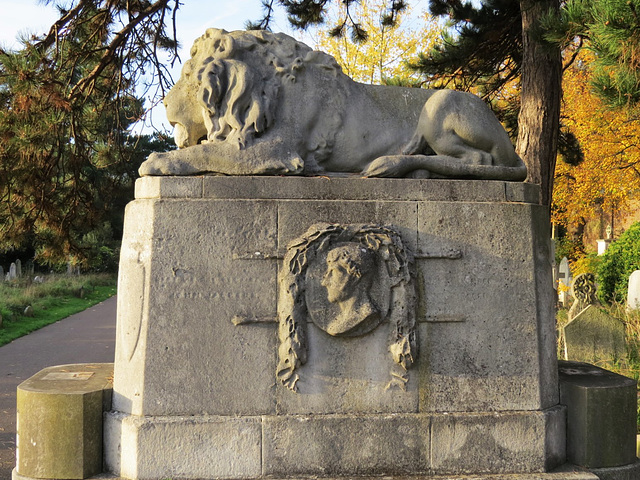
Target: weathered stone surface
(343, 127)
(180, 289)
(506, 442)
(287, 446)
(348, 375)
(197, 325)
(601, 415)
(633, 292)
(499, 357)
(197, 447)
(522, 192)
(624, 472)
(325, 188)
(346, 445)
(594, 335)
(564, 474)
(172, 187)
(60, 421)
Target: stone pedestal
(195, 389)
(601, 415)
(59, 427)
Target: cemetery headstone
(583, 291)
(12, 272)
(633, 293)
(29, 268)
(18, 268)
(1, 273)
(604, 243)
(28, 311)
(564, 281)
(592, 335)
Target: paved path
(87, 337)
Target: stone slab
(177, 350)
(594, 336)
(601, 415)
(502, 356)
(168, 187)
(201, 447)
(508, 442)
(565, 474)
(222, 262)
(288, 446)
(59, 421)
(332, 188)
(345, 445)
(624, 472)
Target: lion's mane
(239, 75)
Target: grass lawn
(56, 298)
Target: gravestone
(583, 290)
(592, 335)
(633, 293)
(18, 268)
(564, 281)
(29, 268)
(12, 272)
(1, 273)
(603, 244)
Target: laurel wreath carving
(292, 308)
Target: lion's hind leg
(452, 146)
(417, 145)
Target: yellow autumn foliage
(608, 177)
(387, 49)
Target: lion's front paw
(164, 163)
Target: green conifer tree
(66, 102)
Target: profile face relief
(348, 280)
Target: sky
(194, 17)
(26, 17)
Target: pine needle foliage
(611, 29)
(303, 14)
(67, 99)
(482, 49)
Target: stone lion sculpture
(257, 103)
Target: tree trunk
(539, 117)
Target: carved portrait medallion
(347, 290)
(347, 280)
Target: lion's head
(228, 90)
